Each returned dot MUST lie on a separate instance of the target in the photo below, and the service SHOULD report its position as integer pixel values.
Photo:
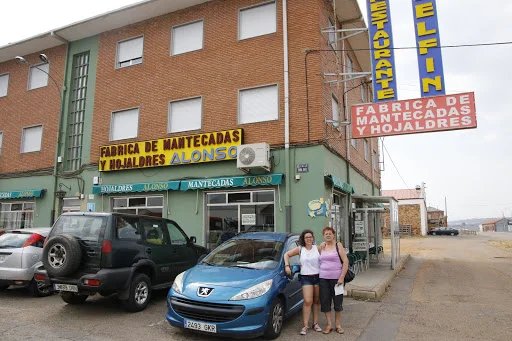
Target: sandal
(327, 330)
(317, 328)
(304, 331)
(340, 330)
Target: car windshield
(247, 253)
(13, 240)
(89, 228)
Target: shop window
(17, 215)
(258, 104)
(129, 52)
(214, 198)
(239, 197)
(187, 38)
(144, 205)
(70, 205)
(185, 115)
(4, 84)
(38, 76)
(124, 124)
(257, 21)
(31, 139)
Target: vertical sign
(382, 53)
(430, 60)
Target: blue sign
(31, 193)
(430, 60)
(234, 181)
(91, 207)
(138, 187)
(381, 49)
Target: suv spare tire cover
(62, 255)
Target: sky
(470, 168)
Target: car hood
(229, 277)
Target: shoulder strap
(338, 252)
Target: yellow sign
(179, 150)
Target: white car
(20, 254)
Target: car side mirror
(192, 240)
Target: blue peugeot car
(240, 289)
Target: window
(364, 98)
(127, 228)
(124, 124)
(4, 84)
(153, 231)
(31, 139)
(257, 21)
(295, 260)
(38, 76)
(129, 52)
(77, 113)
(335, 109)
(71, 205)
(1, 139)
(333, 41)
(177, 237)
(187, 38)
(185, 115)
(258, 104)
(350, 65)
(375, 160)
(354, 143)
(150, 205)
(366, 150)
(17, 215)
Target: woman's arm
(346, 263)
(291, 253)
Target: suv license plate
(204, 327)
(65, 287)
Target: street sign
(303, 168)
(91, 207)
(359, 225)
(359, 246)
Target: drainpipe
(55, 206)
(288, 182)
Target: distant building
(498, 225)
(412, 209)
(435, 217)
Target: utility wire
(384, 146)
(430, 47)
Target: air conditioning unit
(253, 156)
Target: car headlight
(253, 292)
(178, 283)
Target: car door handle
(148, 250)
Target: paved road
(454, 288)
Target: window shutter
(4, 83)
(187, 38)
(125, 124)
(259, 105)
(257, 21)
(185, 115)
(32, 139)
(38, 78)
(130, 49)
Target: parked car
(446, 231)
(20, 253)
(239, 289)
(131, 255)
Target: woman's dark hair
(302, 242)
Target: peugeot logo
(204, 291)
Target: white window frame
(334, 99)
(259, 87)
(117, 64)
(121, 110)
(366, 150)
(182, 100)
(240, 10)
(1, 141)
(23, 210)
(23, 138)
(7, 87)
(354, 143)
(332, 26)
(350, 64)
(173, 37)
(35, 66)
(137, 208)
(67, 208)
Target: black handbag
(350, 275)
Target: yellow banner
(178, 150)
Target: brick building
(412, 210)
(436, 218)
(159, 97)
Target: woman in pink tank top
(332, 273)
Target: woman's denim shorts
(309, 280)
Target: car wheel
(140, 293)
(453, 234)
(72, 298)
(275, 320)
(62, 255)
(4, 287)
(39, 290)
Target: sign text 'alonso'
(414, 116)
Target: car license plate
(204, 327)
(65, 287)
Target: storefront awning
(23, 194)
(342, 186)
(233, 181)
(137, 187)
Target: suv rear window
(82, 227)
(13, 240)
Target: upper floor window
(185, 115)
(4, 84)
(350, 64)
(375, 160)
(354, 143)
(187, 38)
(129, 52)
(258, 104)
(31, 139)
(366, 150)
(1, 139)
(257, 21)
(364, 97)
(38, 76)
(335, 109)
(333, 41)
(124, 124)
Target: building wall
(22, 108)
(502, 225)
(407, 215)
(489, 227)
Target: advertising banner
(414, 116)
(382, 53)
(430, 60)
(178, 150)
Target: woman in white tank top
(309, 270)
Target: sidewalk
(372, 283)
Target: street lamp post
(44, 58)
